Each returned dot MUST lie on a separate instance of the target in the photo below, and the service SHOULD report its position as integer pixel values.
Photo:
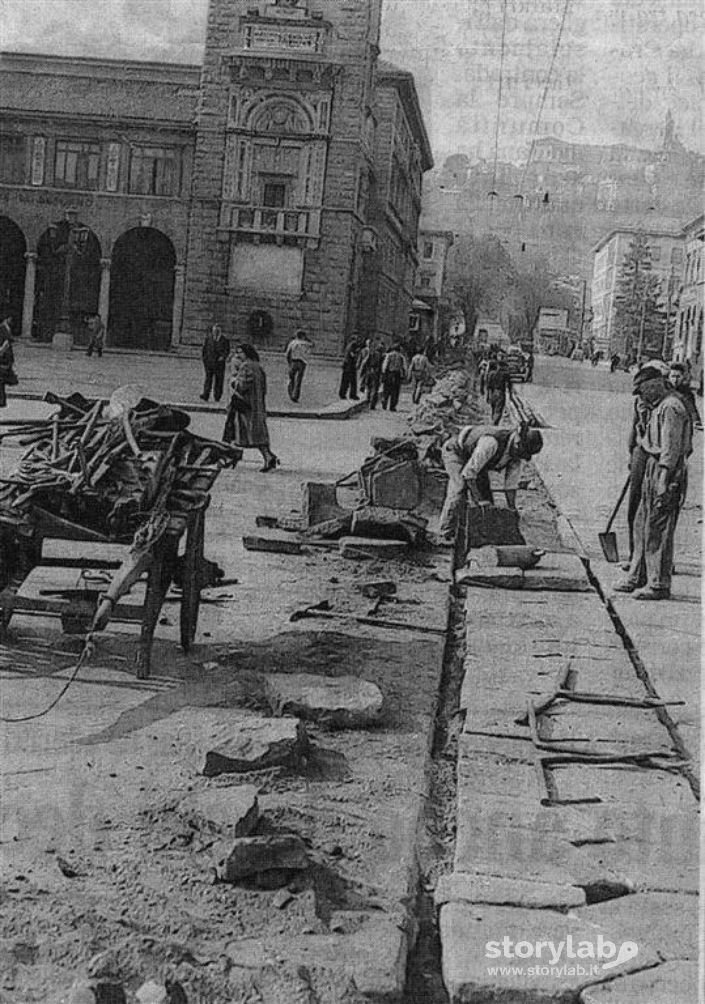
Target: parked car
(518, 364)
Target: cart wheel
(191, 579)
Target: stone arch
(142, 290)
(68, 279)
(13, 246)
(279, 114)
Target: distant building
(688, 338)
(277, 186)
(489, 332)
(666, 263)
(433, 247)
(551, 332)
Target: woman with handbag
(246, 420)
(8, 377)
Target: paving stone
(344, 702)
(255, 744)
(668, 921)
(474, 888)
(388, 524)
(253, 855)
(467, 929)
(319, 503)
(362, 547)
(234, 808)
(670, 983)
(271, 542)
(557, 572)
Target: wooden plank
(276, 545)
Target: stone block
(473, 943)
(343, 702)
(668, 921)
(558, 572)
(234, 808)
(670, 983)
(252, 856)
(257, 744)
(491, 525)
(271, 543)
(394, 485)
(461, 887)
(363, 547)
(319, 503)
(388, 524)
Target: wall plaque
(268, 37)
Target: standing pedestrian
(348, 377)
(468, 458)
(393, 372)
(499, 382)
(215, 352)
(667, 442)
(246, 420)
(297, 355)
(420, 372)
(679, 380)
(96, 335)
(371, 373)
(8, 377)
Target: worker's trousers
(455, 463)
(654, 527)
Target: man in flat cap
(667, 442)
(470, 456)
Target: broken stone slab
(669, 921)
(670, 983)
(391, 484)
(362, 547)
(388, 524)
(251, 856)
(319, 503)
(235, 808)
(272, 543)
(331, 529)
(257, 744)
(376, 588)
(491, 889)
(473, 943)
(344, 702)
(398, 448)
(491, 525)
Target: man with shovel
(667, 443)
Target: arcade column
(28, 302)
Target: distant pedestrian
(96, 335)
(8, 377)
(499, 383)
(371, 372)
(297, 354)
(215, 352)
(614, 362)
(482, 370)
(393, 372)
(420, 373)
(679, 380)
(348, 376)
(667, 442)
(429, 349)
(246, 420)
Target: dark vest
(476, 434)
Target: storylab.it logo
(559, 958)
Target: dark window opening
(274, 195)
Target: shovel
(608, 540)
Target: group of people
(660, 443)
(380, 373)
(495, 382)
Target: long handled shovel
(608, 539)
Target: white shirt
(485, 450)
(298, 349)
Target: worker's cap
(652, 371)
(530, 443)
(677, 368)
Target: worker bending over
(468, 459)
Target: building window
(76, 164)
(656, 252)
(274, 194)
(154, 171)
(428, 249)
(425, 281)
(677, 256)
(12, 159)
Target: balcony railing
(260, 223)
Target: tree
(639, 319)
(534, 287)
(479, 277)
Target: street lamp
(67, 240)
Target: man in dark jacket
(216, 350)
(348, 376)
(498, 383)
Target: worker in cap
(667, 443)
(468, 459)
(679, 379)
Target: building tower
(284, 147)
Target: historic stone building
(433, 248)
(277, 186)
(688, 338)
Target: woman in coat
(246, 421)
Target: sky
(621, 64)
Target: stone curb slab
(557, 571)
(671, 983)
(469, 933)
(669, 921)
(462, 887)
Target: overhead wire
(499, 94)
